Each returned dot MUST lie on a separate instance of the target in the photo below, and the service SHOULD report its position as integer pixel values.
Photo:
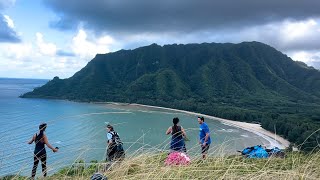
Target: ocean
(78, 129)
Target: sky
(48, 38)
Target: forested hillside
(249, 81)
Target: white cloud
(31, 60)
(7, 30)
(17, 51)
(44, 47)
(105, 40)
(9, 21)
(299, 39)
(285, 36)
(292, 31)
(301, 56)
(299, 35)
(288, 35)
(312, 58)
(39, 59)
(305, 56)
(87, 48)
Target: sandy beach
(273, 139)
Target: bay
(78, 129)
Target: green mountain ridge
(249, 81)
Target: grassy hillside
(250, 82)
(294, 166)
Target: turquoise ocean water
(78, 129)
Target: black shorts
(204, 149)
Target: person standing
(177, 136)
(204, 135)
(115, 149)
(40, 140)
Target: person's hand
(204, 144)
(55, 150)
(200, 142)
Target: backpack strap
(114, 135)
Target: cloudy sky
(47, 38)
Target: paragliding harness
(259, 152)
(255, 152)
(275, 152)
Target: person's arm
(200, 140)
(169, 131)
(183, 132)
(206, 138)
(206, 130)
(109, 137)
(33, 138)
(45, 139)
(110, 141)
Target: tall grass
(295, 165)
(148, 163)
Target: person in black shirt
(177, 136)
(40, 140)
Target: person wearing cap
(40, 140)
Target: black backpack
(117, 141)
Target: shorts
(205, 149)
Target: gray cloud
(285, 36)
(140, 16)
(279, 35)
(142, 22)
(316, 58)
(6, 33)
(64, 24)
(65, 53)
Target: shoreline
(273, 139)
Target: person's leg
(44, 164)
(119, 155)
(109, 158)
(35, 165)
(205, 151)
(184, 148)
(172, 145)
(107, 155)
(123, 155)
(111, 153)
